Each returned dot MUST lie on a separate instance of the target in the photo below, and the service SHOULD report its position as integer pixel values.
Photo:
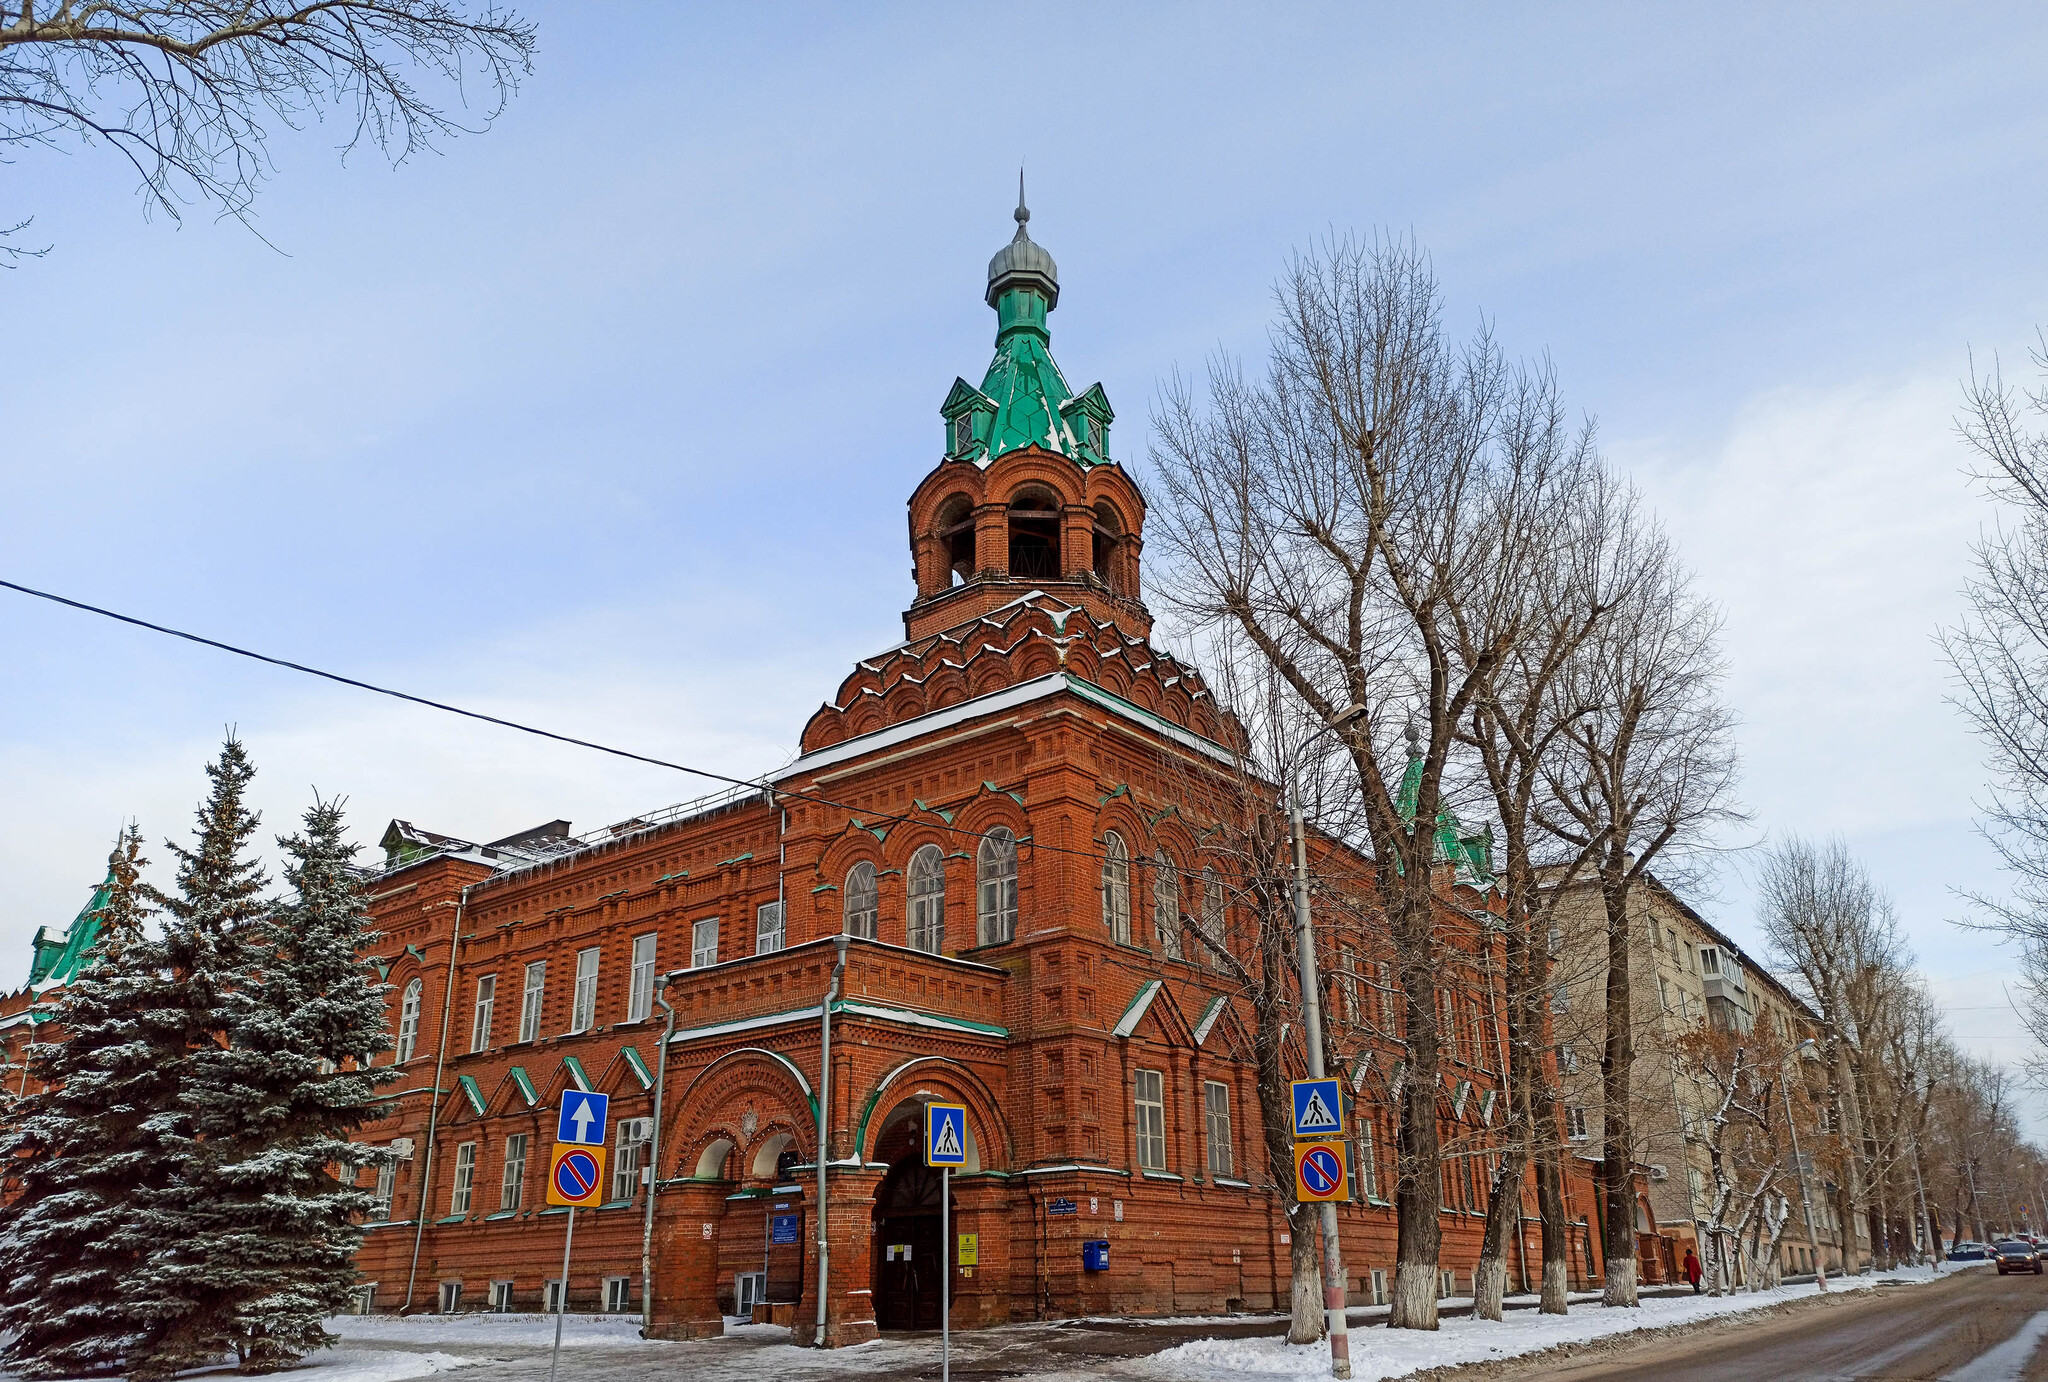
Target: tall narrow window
(1166, 904)
(704, 943)
(640, 995)
(1150, 1108)
(995, 915)
(862, 907)
(1368, 1164)
(1215, 924)
(1447, 1024)
(529, 1000)
(768, 933)
(1216, 1118)
(1347, 981)
(408, 1024)
(1482, 1049)
(583, 1011)
(480, 1019)
(512, 1187)
(1575, 1123)
(387, 1185)
(927, 920)
(633, 1136)
(1116, 888)
(465, 1178)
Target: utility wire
(888, 818)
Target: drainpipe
(824, 1124)
(668, 1031)
(419, 1227)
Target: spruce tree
(284, 1209)
(74, 1237)
(207, 1219)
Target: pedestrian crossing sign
(945, 1134)
(1318, 1109)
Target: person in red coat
(1692, 1270)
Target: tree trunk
(1557, 1238)
(1503, 1221)
(1853, 1191)
(1617, 1062)
(1418, 1194)
(1305, 1294)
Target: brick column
(1077, 540)
(686, 1223)
(981, 1293)
(850, 1223)
(992, 540)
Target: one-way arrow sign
(583, 1118)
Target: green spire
(1024, 399)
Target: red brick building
(978, 867)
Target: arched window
(861, 908)
(1106, 535)
(1035, 537)
(1166, 904)
(1116, 888)
(927, 920)
(408, 1024)
(1213, 925)
(955, 530)
(995, 914)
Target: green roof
(58, 958)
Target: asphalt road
(1975, 1327)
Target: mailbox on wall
(1095, 1254)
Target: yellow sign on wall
(970, 1249)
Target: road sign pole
(1334, 1301)
(562, 1298)
(945, 1274)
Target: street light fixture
(1312, 1025)
(1820, 1268)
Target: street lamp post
(1312, 1026)
(1820, 1266)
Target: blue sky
(605, 418)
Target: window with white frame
(501, 1297)
(863, 905)
(512, 1186)
(1710, 961)
(529, 1000)
(768, 931)
(1216, 1122)
(926, 922)
(1347, 981)
(583, 1010)
(465, 1178)
(1215, 924)
(1150, 1108)
(1575, 1123)
(704, 943)
(1166, 904)
(1556, 941)
(1482, 1049)
(408, 1024)
(1663, 993)
(629, 1155)
(451, 1297)
(1447, 1024)
(480, 1016)
(618, 1295)
(551, 1296)
(640, 994)
(1116, 888)
(995, 911)
(1560, 999)
(387, 1185)
(1567, 1059)
(1368, 1165)
(365, 1300)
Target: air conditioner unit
(1659, 1173)
(401, 1147)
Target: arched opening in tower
(1035, 537)
(955, 531)
(1107, 531)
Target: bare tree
(186, 90)
(1645, 775)
(1341, 513)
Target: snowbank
(343, 1364)
(1378, 1352)
(482, 1330)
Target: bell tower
(1028, 495)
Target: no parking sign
(1319, 1172)
(576, 1175)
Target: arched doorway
(907, 1245)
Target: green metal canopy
(59, 957)
(1024, 400)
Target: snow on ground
(344, 1364)
(1378, 1352)
(482, 1330)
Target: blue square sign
(583, 1118)
(1318, 1109)
(945, 1134)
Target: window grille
(1166, 904)
(1116, 888)
(480, 1019)
(1151, 1120)
(926, 923)
(862, 905)
(512, 1187)
(408, 1024)
(465, 1178)
(529, 1000)
(1216, 1117)
(640, 994)
(768, 932)
(704, 943)
(995, 918)
(583, 1011)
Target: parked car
(2018, 1255)
(1969, 1252)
